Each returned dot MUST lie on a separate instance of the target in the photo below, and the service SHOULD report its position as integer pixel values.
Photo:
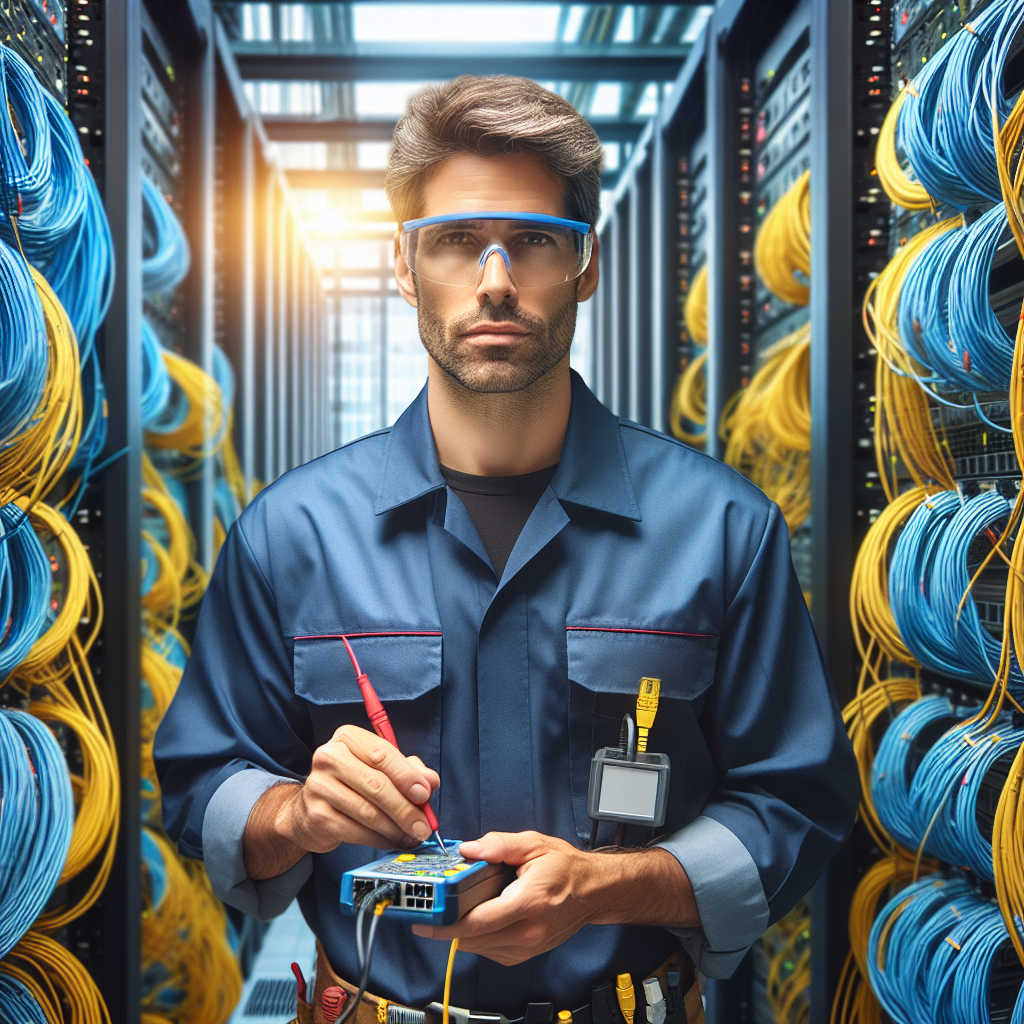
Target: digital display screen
(630, 791)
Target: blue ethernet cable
(944, 793)
(156, 381)
(18, 1004)
(25, 587)
(24, 350)
(165, 255)
(36, 820)
(890, 772)
(27, 162)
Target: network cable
(24, 587)
(165, 249)
(37, 822)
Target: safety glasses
(538, 250)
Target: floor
(269, 993)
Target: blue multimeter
(435, 889)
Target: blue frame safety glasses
(538, 250)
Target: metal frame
(121, 347)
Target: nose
(495, 286)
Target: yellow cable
(448, 980)
(911, 195)
(782, 248)
(767, 428)
(646, 710)
(37, 457)
(695, 308)
(201, 433)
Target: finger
(322, 834)
(513, 848)
(435, 779)
(328, 797)
(381, 755)
(378, 789)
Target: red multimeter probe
(382, 727)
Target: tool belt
(375, 1010)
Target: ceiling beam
(346, 179)
(284, 128)
(361, 62)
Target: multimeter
(434, 888)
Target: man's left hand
(559, 889)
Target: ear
(403, 275)
(588, 279)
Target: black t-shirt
(499, 506)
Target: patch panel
(35, 29)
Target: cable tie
(953, 944)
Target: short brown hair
(492, 115)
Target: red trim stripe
(356, 636)
(619, 629)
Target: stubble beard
(497, 369)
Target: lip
(496, 330)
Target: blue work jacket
(642, 558)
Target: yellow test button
(452, 871)
(405, 858)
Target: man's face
(493, 337)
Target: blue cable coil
(36, 819)
(17, 1004)
(945, 319)
(165, 250)
(944, 793)
(24, 350)
(931, 954)
(25, 587)
(62, 228)
(945, 126)
(891, 774)
(928, 576)
(156, 381)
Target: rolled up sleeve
(224, 823)
(788, 790)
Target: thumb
(513, 848)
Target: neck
(499, 434)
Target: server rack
(153, 90)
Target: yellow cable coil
(57, 658)
(689, 396)
(767, 427)
(782, 249)
(202, 431)
(35, 459)
(903, 424)
(1008, 827)
(186, 937)
(191, 576)
(855, 1002)
(911, 195)
(787, 944)
(161, 678)
(58, 981)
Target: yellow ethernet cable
(646, 709)
(626, 996)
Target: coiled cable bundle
(36, 819)
(165, 251)
(689, 396)
(767, 427)
(928, 581)
(782, 249)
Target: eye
(538, 238)
(454, 239)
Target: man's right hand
(361, 790)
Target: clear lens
(537, 255)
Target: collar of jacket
(591, 472)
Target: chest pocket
(605, 668)
(405, 670)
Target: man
(506, 563)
